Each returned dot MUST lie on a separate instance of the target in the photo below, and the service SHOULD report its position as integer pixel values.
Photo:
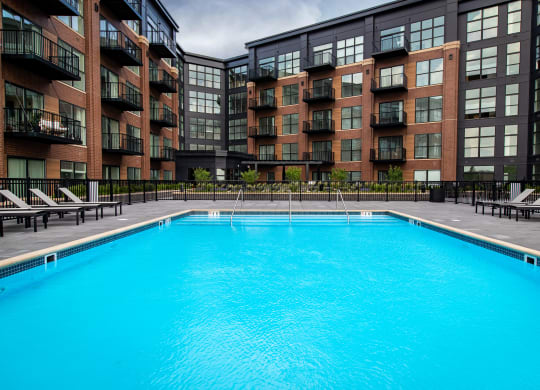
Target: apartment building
(89, 89)
(442, 89)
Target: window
(208, 103)
(536, 168)
(351, 118)
(204, 76)
(479, 172)
(203, 147)
(322, 54)
(429, 109)
(351, 85)
(134, 173)
(536, 139)
(237, 129)
(514, 17)
(267, 63)
(266, 96)
(238, 148)
(482, 24)
(72, 170)
(111, 172)
(18, 97)
(510, 172)
(354, 175)
(238, 77)
(81, 84)
(20, 168)
(350, 50)
(391, 148)
(267, 152)
(266, 125)
(393, 38)
(290, 152)
(322, 150)
(73, 112)
(320, 176)
(429, 72)
(351, 149)
(200, 128)
(480, 141)
(512, 58)
(391, 76)
(481, 63)
(290, 94)
(538, 50)
(135, 25)
(391, 112)
(427, 146)
(536, 95)
(237, 103)
(75, 22)
(154, 146)
(427, 175)
(167, 175)
(427, 33)
(512, 100)
(154, 174)
(480, 103)
(510, 140)
(289, 64)
(290, 124)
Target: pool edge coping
(134, 228)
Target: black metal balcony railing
(162, 81)
(42, 126)
(262, 132)
(60, 7)
(161, 44)
(39, 54)
(319, 94)
(163, 117)
(262, 74)
(390, 46)
(320, 62)
(389, 119)
(262, 103)
(323, 156)
(267, 157)
(121, 48)
(125, 9)
(163, 153)
(319, 126)
(394, 83)
(121, 143)
(388, 155)
(122, 96)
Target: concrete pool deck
(18, 241)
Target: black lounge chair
(518, 200)
(51, 203)
(77, 201)
(27, 215)
(526, 209)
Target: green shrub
(293, 174)
(202, 175)
(395, 174)
(250, 176)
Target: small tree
(293, 173)
(201, 175)
(250, 176)
(339, 175)
(395, 174)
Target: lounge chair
(75, 199)
(51, 203)
(526, 209)
(61, 210)
(518, 200)
(27, 215)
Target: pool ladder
(241, 192)
(338, 195)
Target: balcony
(319, 94)
(319, 126)
(121, 144)
(393, 83)
(392, 46)
(162, 81)
(389, 119)
(41, 126)
(320, 62)
(40, 55)
(121, 96)
(263, 132)
(60, 7)
(266, 157)
(118, 46)
(262, 103)
(388, 155)
(262, 74)
(163, 117)
(165, 153)
(161, 44)
(125, 9)
(324, 157)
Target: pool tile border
(25, 262)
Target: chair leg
(101, 212)
(1, 226)
(97, 214)
(120, 208)
(45, 220)
(77, 217)
(35, 223)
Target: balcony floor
(41, 137)
(38, 65)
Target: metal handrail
(338, 194)
(290, 201)
(241, 192)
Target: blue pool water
(379, 303)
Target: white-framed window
(480, 141)
(289, 64)
(429, 72)
(512, 100)
(350, 51)
(513, 58)
(482, 24)
(427, 175)
(481, 63)
(204, 76)
(510, 140)
(480, 103)
(514, 17)
(427, 33)
(428, 109)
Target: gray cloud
(220, 28)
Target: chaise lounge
(51, 203)
(27, 215)
(77, 201)
(518, 200)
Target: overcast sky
(219, 28)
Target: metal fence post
(415, 192)
(87, 183)
(129, 191)
(456, 192)
(111, 192)
(144, 191)
(271, 193)
(329, 190)
(387, 191)
(185, 191)
(358, 191)
(214, 191)
(156, 185)
(300, 183)
(28, 196)
(473, 200)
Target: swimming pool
(319, 303)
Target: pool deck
(17, 240)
